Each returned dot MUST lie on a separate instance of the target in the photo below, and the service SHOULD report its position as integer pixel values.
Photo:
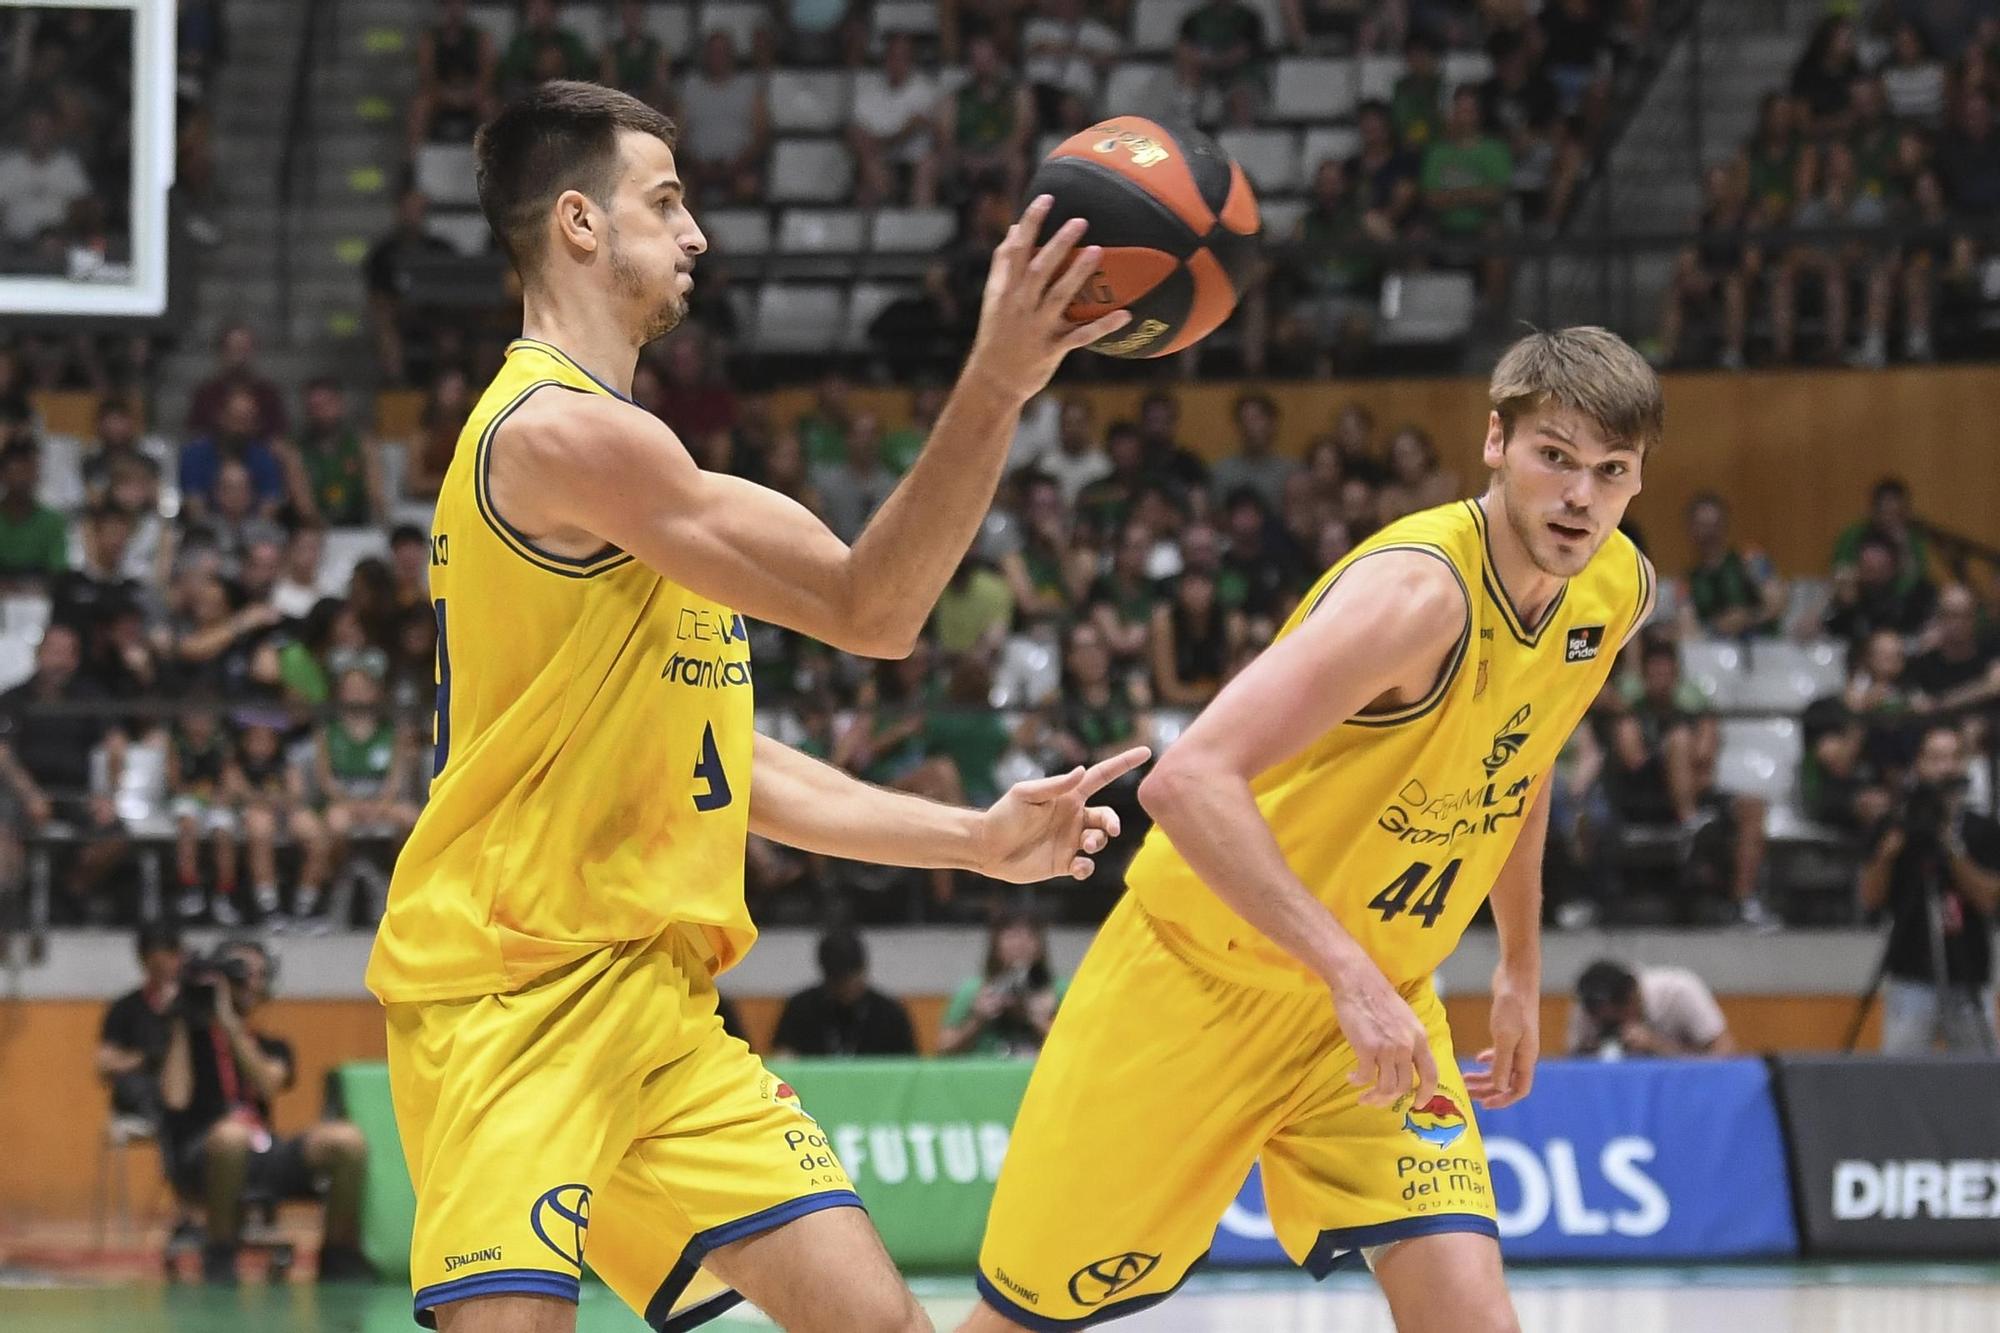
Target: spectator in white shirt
(1077, 459)
(1650, 1011)
(1067, 53)
(1913, 79)
(890, 133)
(725, 126)
(38, 182)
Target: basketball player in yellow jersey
(563, 1088)
(1326, 828)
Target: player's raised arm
(1383, 633)
(582, 465)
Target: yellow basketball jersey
(592, 777)
(1400, 820)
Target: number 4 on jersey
(1394, 899)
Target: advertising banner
(1895, 1156)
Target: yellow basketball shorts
(602, 1114)
(1160, 1084)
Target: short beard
(662, 319)
(1525, 530)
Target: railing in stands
(1958, 551)
(297, 155)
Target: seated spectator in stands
(1718, 264)
(1040, 573)
(1065, 54)
(456, 80)
(1961, 669)
(90, 595)
(635, 61)
(197, 767)
(236, 355)
(695, 396)
(269, 795)
(901, 446)
(1839, 783)
(1728, 593)
(1099, 714)
(34, 539)
(1520, 104)
(1416, 102)
(39, 181)
(915, 335)
(45, 759)
(446, 406)
(1417, 481)
(1263, 571)
(853, 489)
(301, 581)
(1466, 174)
(1913, 79)
(1889, 519)
(214, 640)
(1123, 599)
(362, 766)
(343, 485)
(237, 440)
(1660, 745)
(1933, 258)
(1165, 455)
(1334, 27)
(117, 440)
(974, 612)
(235, 520)
(1867, 597)
(725, 125)
(1576, 51)
(1008, 1008)
(1106, 503)
(542, 49)
(984, 127)
(1256, 462)
(397, 327)
(892, 132)
(1835, 201)
(1774, 158)
(1877, 141)
(1382, 174)
(1934, 867)
(220, 1076)
(1077, 460)
(964, 731)
(132, 1042)
(1336, 279)
(1969, 158)
(843, 1014)
(1823, 80)
(1221, 47)
(1878, 692)
(1194, 639)
(1662, 1011)
(823, 427)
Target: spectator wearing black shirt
(1961, 669)
(1823, 80)
(236, 368)
(218, 1081)
(385, 270)
(1382, 175)
(1728, 593)
(1166, 456)
(1935, 870)
(1576, 51)
(1105, 504)
(1839, 783)
(843, 1015)
(456, 66)
(45, 758)
(132, 1044)
(1718, 264)
(1868, 598)
(1221, 46)
(1194, 639)
(1969, 159)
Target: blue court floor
(1804, 1299)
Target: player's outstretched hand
(1023, 333)
(1044, 828)
(1392, 1050)
(1507, 1067)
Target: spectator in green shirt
(823, 428)
(901, 446)
(1416, 101)
(1888, 516)
(1729, 593)
(1221, 45)
(542, 51)
(1465, 179)
(34, 539)
(636, 61)
(1008, 1008)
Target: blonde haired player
(563, 1088)
(1326, 829)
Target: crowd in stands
(1863, 198)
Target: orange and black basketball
(1177, 221)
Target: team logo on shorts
(1094, 1284)
(1437, 1122)
(561, 1217)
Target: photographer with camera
(217, 1084)
(1935, 869)
(1008, 1008)
(1651, 1011)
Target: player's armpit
(1384, 633)
(581, 468)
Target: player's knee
(889, 1308)
(227, 1138)
(337, 1141)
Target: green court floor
(1796, 1299)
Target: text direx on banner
(1895, 1156)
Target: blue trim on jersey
(1326, 1251)
(504, 1282)
(1042, 1323)
(660, 1310)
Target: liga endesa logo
(1437, 1122)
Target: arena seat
(820, 231)
(1378, 77)
(1324, 142)
(1129, 87)
(1426, 308)
(1311, 88)
(1280, 216)
(739, 18)
(866, 300)
(1462, 67)
(1784, 677)
(465, 233)
(444, 173)
(587, 21)
(734, 232)
(1715, 667)
(809, 171)
(673, 25)
(1759, 757)
(916, 17)
(808, 101)
(799, 317)
(1156, 24)
(1269, 157)
(496, 21)
(912, 230)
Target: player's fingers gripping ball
(1177, 222)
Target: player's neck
(584, 336)
(1528, 586)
